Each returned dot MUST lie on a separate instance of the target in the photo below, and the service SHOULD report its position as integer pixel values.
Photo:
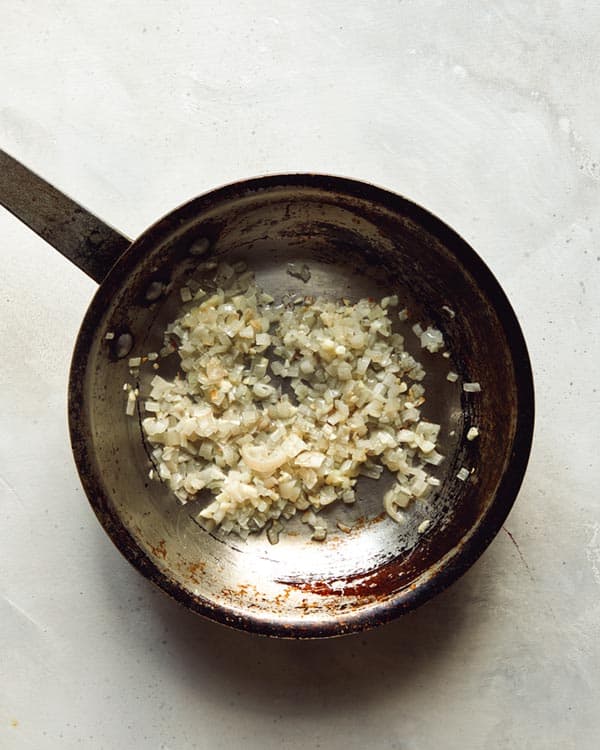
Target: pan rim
(467, 553)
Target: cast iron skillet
(357, 240)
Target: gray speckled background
(487, 114)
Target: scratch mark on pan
(215, 537)
(523, 560)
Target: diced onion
(432, 339)
(351, 405)
(300, 271)
(130, 405)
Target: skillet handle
(71, 229)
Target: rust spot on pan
(195, 571)
(160, 549)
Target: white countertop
(487, 114)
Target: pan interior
(354, 247)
